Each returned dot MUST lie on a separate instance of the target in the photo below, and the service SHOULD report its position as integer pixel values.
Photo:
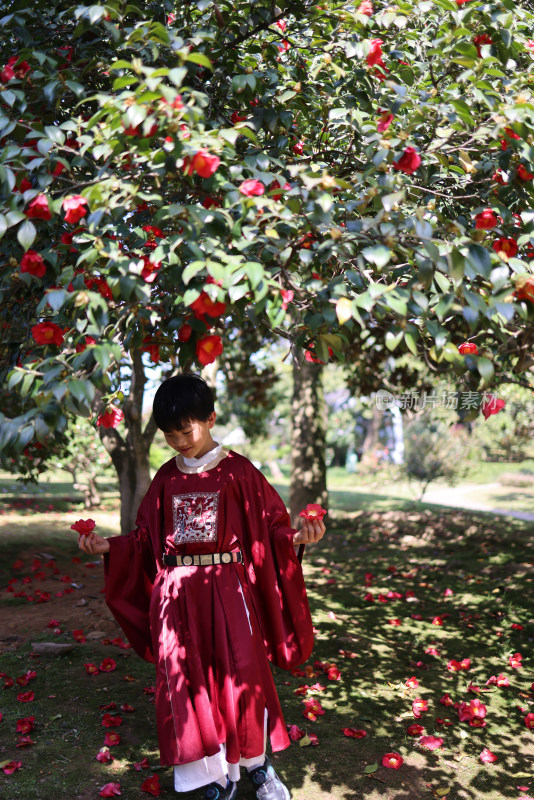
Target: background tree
(358, 182)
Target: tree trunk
(308, 439)
(130, 455)
(371, 440)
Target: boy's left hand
(312, 530)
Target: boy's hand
(93, 544)
(312, 530)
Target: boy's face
(194, 439)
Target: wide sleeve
(130, 568)
(274, 573)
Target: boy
(208, 587)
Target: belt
(202, 560)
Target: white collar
(203, 460)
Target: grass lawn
(397, 592)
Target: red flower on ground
(38, 208)
(486, 219)
(515, 660)
(203, 163)
(295, 733)
(78, 635)
(529, 721)
(91, 669)
(487, 757)
(110, 790)
(11, 767)
(108, 665)
(83, 526)
(75, 207)
(414, 730)
(418, 706)
(25, 697)
(32, 263)
(110, 418)
(409, 162)
(48, 333)
(492, 405)
(431, 742)
(466, 348)
(104, 755)
(111, 739)
(252, 188)
(151, 786)
(353, 733)
(109, 721)
(505, 247)
(24, 741)
(27, 724)
(208, 349)
(392, 761)
(313, 511)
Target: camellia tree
(355, 179)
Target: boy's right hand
(93, 544)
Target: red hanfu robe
(213, 681)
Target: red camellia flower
(184, 333)
(298, 148)
(313, 511)
(108, 665)
(104, 755)
(33, 263)
(384, 121)
(252, 188)
(477, 709)
(110, 790)
(151, 786)
(236, 118)
(414, 730)
(468, 348)
(353, 733)
(412, 683)
(487, 757)
(418, 706)
(208, 348)
(486, 219)
(152, 348)
(11, 767)
(203, 163)
(109, 721)
(25, 697)
(431, 742)
(276, 185)
(205, 305)
(392, 761)
(83, 526)
(75, 207)
(110, 418)
(6, 75)
(91, 669)
(524, 288)
(505, 247)
(492, 405)
(479, 40)
(523, 174)
(409, 161)
(21, 69)
(295, 733)
(515, 660)
(365, 7)
(26, 725)
(38, 208)
(374, 56)
(47, 333)
(529, 721)
(111, 739)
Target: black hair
(180, 400)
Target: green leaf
(393, 338)
(378, 255)
(485, 369)
(370, 768)
(192, 270)
(26, 234)
(200, 58)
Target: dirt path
(457, 498)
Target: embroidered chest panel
(194, 517)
